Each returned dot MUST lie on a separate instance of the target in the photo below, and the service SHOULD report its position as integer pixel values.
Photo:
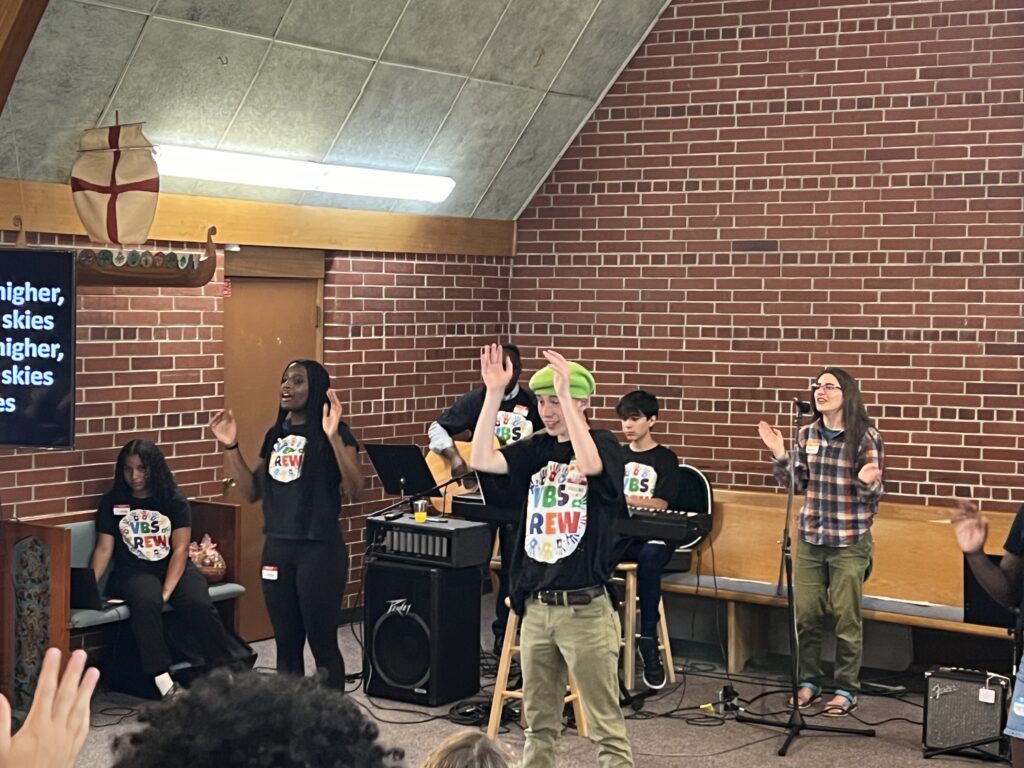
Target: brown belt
(582, 596)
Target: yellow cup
(419, 510)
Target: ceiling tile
(613, 33)
(445, 35)
(257, 17)
(349, 26)
(8, 149)
(485, 122)
(396, 117)
(542, 143)
(186, 82)
(63, 84)
(532, 40)
(298, 103)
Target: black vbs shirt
(652, 474)
(302, 487)
(142, 529)
(566, 534)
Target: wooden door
(267, 323)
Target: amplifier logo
(400, 606)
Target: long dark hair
(161, 482)
(856, 421)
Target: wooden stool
(501, 692)
(629, 610)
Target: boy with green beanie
(561, 568)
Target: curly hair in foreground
(257, 721)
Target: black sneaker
(654, 670)
(499, 643)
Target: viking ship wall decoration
(115, 184)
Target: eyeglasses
(829, 388)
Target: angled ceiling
(489, 92)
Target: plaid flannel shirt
(838, 508)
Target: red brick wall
(402, 335)
(147, 365)
(875, 150)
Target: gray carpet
(669, 730)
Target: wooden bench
(917, 578)
(36, 556)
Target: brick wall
(402, 335)
(774, 187)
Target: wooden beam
(18, 22)
(48, 208)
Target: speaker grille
(965, 706)
(399, 641)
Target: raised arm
(225, 429)
(496, 373)
(1002, 582)
(345, 455)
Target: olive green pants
(831, 580)
(584, 640)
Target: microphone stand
(796, 722)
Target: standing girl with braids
(308, 463)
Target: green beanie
(581, 382)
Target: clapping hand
(58, 721)
(495, 368)
(970, 527)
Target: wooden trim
(48, 208)
(18, 22)
(258, 261)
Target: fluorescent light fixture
(262, 171)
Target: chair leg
(629, 632)
(665, 644)
(582, 729)
(501, 679)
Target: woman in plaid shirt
(840, 456)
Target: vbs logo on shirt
(556, 512)
(147, 534)
(640, 480)
(285, 462)
(510, 426)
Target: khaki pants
(824, 577)
(583, 639)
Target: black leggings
(304, 602)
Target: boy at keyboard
(652, 481)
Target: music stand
(401, 468)
(796, 722)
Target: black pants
(143, 592)
(304, 603)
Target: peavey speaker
(965, 712)
(422, 632)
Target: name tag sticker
(521, 409)
(813, 446)
(269, 573)
(122, 509)
(987, 695)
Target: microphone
(802, 406)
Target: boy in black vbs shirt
(561, 569)
(651, 480)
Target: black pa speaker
(421, 632)
(965, 712)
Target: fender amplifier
(965, 712)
